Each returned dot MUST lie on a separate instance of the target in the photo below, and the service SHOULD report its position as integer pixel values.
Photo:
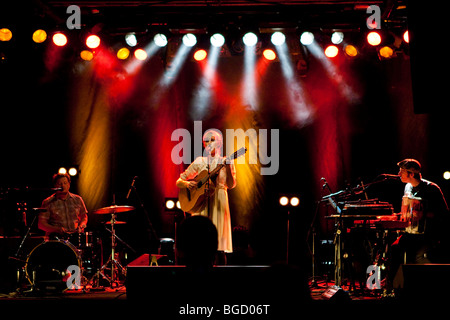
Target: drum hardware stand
(16, 255)
(115, 264)
(121, 241)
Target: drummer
(66, 212)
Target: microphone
(389, 176)
(325, 184)
(131, 187)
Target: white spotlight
(278, 38)
(446, 175)
(160, 40)
(130, 39)
(284, 201)
(250, 39)
(217, 40)
(306, 38)
(189, 40)
(337, 37)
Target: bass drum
(47, 264)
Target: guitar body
(194, 201)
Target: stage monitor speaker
(335, 294)
(171, 289)
(424, 282)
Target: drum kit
(47, 265)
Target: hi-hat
(113, 209)
(116, 222)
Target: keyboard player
(424, 207)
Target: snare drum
(46, 265)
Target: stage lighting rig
(39, 36)
(59, 39)
(172, 204)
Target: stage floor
(114, 303)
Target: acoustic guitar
(193, 201)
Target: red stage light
(331, 51)
(59, 39)
(374, 38)
(200, 55)
(92, 41)
(269, 54)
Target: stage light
(86, 55)
(307, 38)
(351, 50)
(172, 204)
(160, 40)
(269, 54)
(293, 88)
(337, 37)
(278, 38)
(386, 52)
(59, 39)
(62, 170)
(373, 38)
(130, 39)
(406, 36)
(189, 40)
(73, 171)
(250, 39)
(284, 201)
(292, 201)
(140, 54)
(295, 201)
(446, 175)
(217, 40)
(123, 53)
(5, 34)
(200, 55)
(39, 36)
(331, 51)
(92, 41)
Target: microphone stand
(141, 205)
(27, 233)
(313, 250)
(208, 167)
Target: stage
(252, 292)
(324, 112)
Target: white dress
(219, 209)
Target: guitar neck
(235, 155)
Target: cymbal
(113, 209)
(116, 222)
